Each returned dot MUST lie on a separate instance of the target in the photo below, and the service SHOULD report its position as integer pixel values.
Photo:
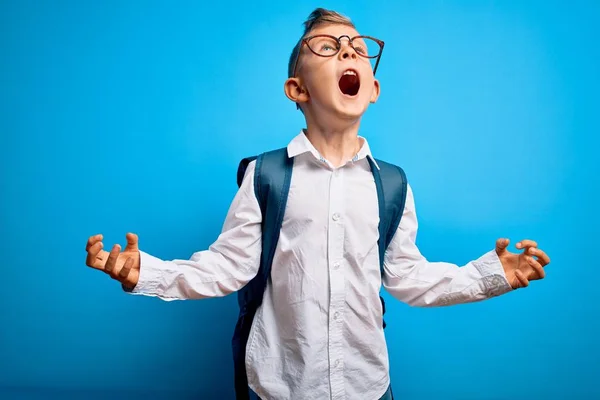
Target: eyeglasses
(329, 46)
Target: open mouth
(349, 82)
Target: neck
(337, 144)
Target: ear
(295, 91)
(376, 90)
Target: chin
(342, 107)
(354, 108)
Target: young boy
(318, 333)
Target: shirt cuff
(150, 276)
(493, 275)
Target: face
(325, 85)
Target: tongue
(349, 84)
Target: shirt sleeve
(410, 278)
(225, 267)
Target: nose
(346, 50)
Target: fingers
(93, 240)
(116, 264)
(526, 243)
(112, 259)
(536, 266)
(124, 273)
(132, 242)
(501, 245)
(541, 255)
(92, 259)
(522, 279)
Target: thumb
(132, 242)
(501, 245)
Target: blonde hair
(319, 16)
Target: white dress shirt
(318, 333)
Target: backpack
(272, 177)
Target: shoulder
(388, 165)
(391, 171)
(248, 165)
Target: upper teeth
(349, 72)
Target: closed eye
(361, 49)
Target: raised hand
(524, 267)
(122, 266)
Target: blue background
(132, 116)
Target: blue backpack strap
(272, 177)
(242, 170)
(390, 181)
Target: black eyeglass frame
(305, 40)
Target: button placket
(337, 283)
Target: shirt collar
(300, 145)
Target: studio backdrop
(132, 116)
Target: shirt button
(336, 172)
(335, 216)
(337, 363)
(336, 315)
(336, 265)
